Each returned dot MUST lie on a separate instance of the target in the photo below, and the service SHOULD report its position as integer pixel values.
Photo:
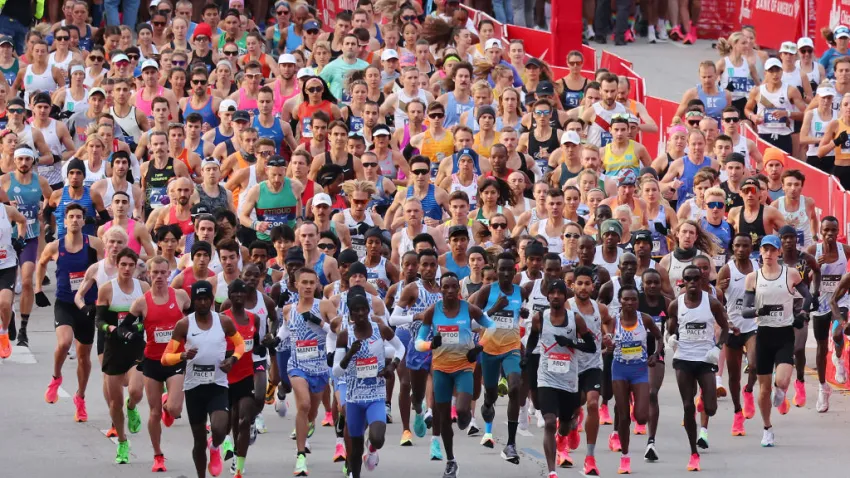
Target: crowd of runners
(245, 211)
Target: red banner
(775, 21)
(328, 10)
(537, 43)
(719, 18)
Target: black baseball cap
(357, 268)
(202, 288)
(736, 158)
(544, 88)
(199, 209)
(751, 182)
(642, 235)
(458, 231)
(241, 115)
(294, 254)
(534, 62)
(237, 285)
(347, 257)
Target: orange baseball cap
(773, 154)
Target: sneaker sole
(514, 460)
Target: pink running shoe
(784, 407)
(604, 416)
(80, 415)
(749, 405)
(215, 460)
(573, 440)
(614, 442)
(640, 429)
(52, 393)
(738, 429)
(693, 463)
(339, 453)
(167, 419)
(799, 393)
(690, 39)
(454, 414)
(675, 33)
(625, 466)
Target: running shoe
(778, 396)
(307, 446)
(702, 441)
(158, 464)
(134, 420)
(661, 30)
(389, 409)
(72, 353)
(300, 466)
(419, 427)
(328, 421)
(252, 434)
(840, 373)
(281, 407)
(580, 420)
(339, 453)
(767, 439)
(651, 454)
(80, 414)
(693, 463)
(122, 456)
(604, 416)
(292, 435)
(721, 390)
(487, 440)
(691, 37)
(749, 409)
(625, 466)
(345, 470)
(370, 459)
(824, 391)
(510, 454)
(738, 429)
(590, 468)
(640, 429)
(451, 469)
(167, 419)
(628, 36)
(228, 447)
(563, 459)
(699, 404)
(614, 442)
(52, 393)
(540, 421)
(260, 422)
(436, 450)
(650, 34)
(5, 346)
(215, 465)
(406, 438)
(23, 340)
(488, 413)
(784, 407)
(112, 432)
(270, 389)
(473, 428)
(523, 417)
(429, 418)
(503, 387)
(562, 448)
(573, 439)
(454, 414)
(799, 393)
(675, 33)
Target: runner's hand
(355, 347)
(436, 341)
(311, 318)
(500, 304)
(713, 355)
(41, 299)
(190, 354)
(472, 354)
(227, 364)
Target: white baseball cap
(841, 31)
(805, 42)
(286, 59)
(493, 43)
(120, 57)
(149, 63)
(824, 91)
(389, 54)
(227, 105)
(570, 137)
(788, 47)
(771, 63)
(322, 199)
(304, 72)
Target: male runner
(652, 302)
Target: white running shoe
(767, 439)
(661, 30)
(650, 34)
(370, 459)
(18, 285)
(540, 421)
(840, 373)
(778, 396)
(523, 418)
(281, 407)
(72, 352)
(261, 424)
(824, 391)
(589, 32)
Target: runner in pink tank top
(145, 105)
(247, 104)
(133, 243)
(405, 140)
(280, 99)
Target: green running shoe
(227, 448)
(300, 466)
(503, 387)
(134, 420)
(122, 456)
(311, 430)
(419, 427)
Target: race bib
(4, 255)
(76, 279)
(306, 131)
(719, 260)
(249, 344)
(741, 83)
(540, 308)
(772, 119)
(367, 367)
(738, 305)
(503, 320)
(155, 197)
(694, 332)
(605, 138)
(162, 335)
(307, 349)
(359, 245)
(828, 284)
(774, 311)
(203, 374)
(656, 247)
(558, 363)
(631, 351)
(801, 238)
(30, 212)
(449, 333)
(573, 98)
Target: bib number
(162, 336)
(307, 349)
(558, 363)
(693, 332)
(367, 367)
(156, 195)
(76, 279)
(249, 344)
(503, 320)
(203, 374)
(631, 351)
(775, 311)
(605, 138)
(771, 119)
(719, 260)
(449, 333)
(828, 284)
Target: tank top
(471, 190)
(159, 324)
(616, 281)
(799, 219)
(556, 242)
(714, 103)
(831, 273)
(72, 105)
(696, 329)
(379, 271)
(738, 77)
(156, 184)
(571, 98)
(110, 192)
(599, 260)
(206, 111)
(556, 368)
(205, 367)
(358, 241)
(89, 81)
(537, 302)
(813, 75)
(8, 256)
(735, 298)
(305, 112)
(677, 267)
(71, 270)
(276, 208)
(816, 130)
(387, 166)
(614, 163)
(792, 78)
(185, 225)
(12, 72)
(52, 173)
(319, 267)
(246, 103)
(308, 343)
(129, 126)
(88, 207)
(452, 266)
(755, 229)
(28, 198)
(102, 275)
(213, 203)
(145, 106)
(457, 338)
(657, 312)
(121, 301)
(535, 146)
(425, 299)
(505, 337)
(776, 297)
(133, 243)
(362, 380)
(429, 203)
(400, 113)
(780, 101)
(842, 153)
(53, 62)
(220, 138)
(244, 367)
(280, 99)
(660, 247)
(598, 132)
(34, 82)
(273, 132)
(437, 149)
(454, 109)
(585, 360)
(630, 344)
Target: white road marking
(21, 355)
(63, 393)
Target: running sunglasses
(436, 115)
(691, 278)
(499, 225)
(421, 172)
(731, 119)
(572, 235)
(326, 247)
(370, 165)
(715, 205)
(315, 89)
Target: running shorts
(492, 365)
(821, 323)
(774, 346)
(204, 400)
(446, 383)
(155, 370)
(694, 367)
(359, 415)
(738, 342)
(119, 357)
(316, 383)
(8, 276)
(630, 372)
(781, 141)
(239, 390)
(30, 251)
(558, 402)
(590, 380)
(66, 313)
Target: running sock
(488, 427)
(512, 426)
(240, 463)
(340, 426)
(650, 440)
(302, 453)
(591, 449)
(25, 318)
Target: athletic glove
(815, 302)
(436, 341)
(564, 341)
(311, 317)
(284, 296)
(713, 355)
(672, 341)
(523, 313)
(362, 227)
(800, 319)
(661, 228)
(41, 300)
(472, 354)
(57, 159)
(840, 139)
(91, 221)
(19, 243)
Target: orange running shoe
(52, 393)
(590, 468)
(799, 393)
(640, 429)
(693, 463)
(158, 464)
(5, 346)
(614, 442)
(112, 432)
(738, 429)
(80, 415)
(784, 407)
(604, 416)
(749, 405)
(625, 466)
(167, 419)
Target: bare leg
(687, 390)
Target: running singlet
(696, 330)
(362, 380)
(735, 298)
(437, 149)
(777, 300)
(88, 206)
(429, 203)
(276, 208)
(205, 367)
(146, 106)
(307, 342)
(71, 270)
(714, 103)
(614, 163)
(457, 337)
(831, 273)
(206, 111)
(452, 266)
(506, 336)
(244, 367)
(159, 324)
(454, 109)
(799, 219)
(27, 198)
(584, 360)
(156, 184)
(305, 112)
(557, 369)
(273, 132)
(599, 131)
(186, 226)
(630, 344)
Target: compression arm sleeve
(422, 344)
(338, 356)
(533, 338)
(588, 344)
(486, 322)
(803, 290)
(100, 318)
(398, 348)
(749, 311)
(238, 345)
(400, 317)
(171, 356)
